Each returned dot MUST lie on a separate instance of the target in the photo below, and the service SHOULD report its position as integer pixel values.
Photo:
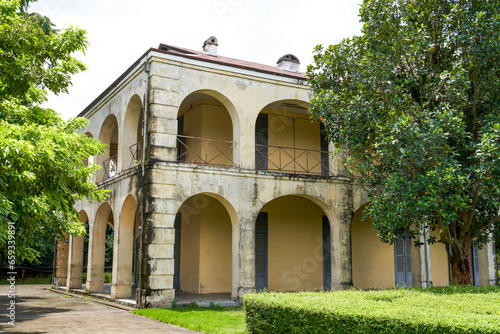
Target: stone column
(337, 161)
(161, 206)
(425, 258)
(97, 245)
(61, 272)
(487, 264)
(246, 144)
(121, 286)
(75, 262)
(247, 252)
(341, 258)
(421, 262)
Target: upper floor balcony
(279, 138)
(285, 139)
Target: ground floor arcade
(218, 232)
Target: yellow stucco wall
(208, 119)
(372, 260)
(293, 130)
(295, 249)
(190, 247)
(215, 249)
(205, 246)
(440, 267)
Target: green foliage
(415, 100)
(386, 311)
(108, 249)
(42, 170)
(108, 277)
(216, 320)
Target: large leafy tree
(43, 169)
(416, 100)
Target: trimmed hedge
(386, 311)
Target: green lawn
(214, 320)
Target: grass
(28, 280)
(214, 320)
(455, 302)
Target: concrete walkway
(42, 311)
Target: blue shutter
(261, 237)
(325, 159)
(402, 262)
(475, 265)
(261, 142)
(177, 252)
(327, 265)
(180, 141)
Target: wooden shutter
(180, 141)
(327, 265)
(475, 265)
(261, 136)
(261, 264)
(177, 253)
(325, 159)
(402, 262)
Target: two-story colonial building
(220, 183)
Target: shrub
(386, 311)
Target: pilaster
(61, 272)
(75, 262)
(341, 255)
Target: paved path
(41, 311)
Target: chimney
(289, 63)
(210, 46)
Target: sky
(119, 32)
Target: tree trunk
(461, 269)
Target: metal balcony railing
(136, 151)
(205, 151)
(292, 160)
(109, 166)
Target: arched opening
(125, 250)
(100, 256)
(109, 160)
(206, 130)
(203, 247)
(287, 141)
(131, 142)
(292, 246)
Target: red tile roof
(199, 55)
